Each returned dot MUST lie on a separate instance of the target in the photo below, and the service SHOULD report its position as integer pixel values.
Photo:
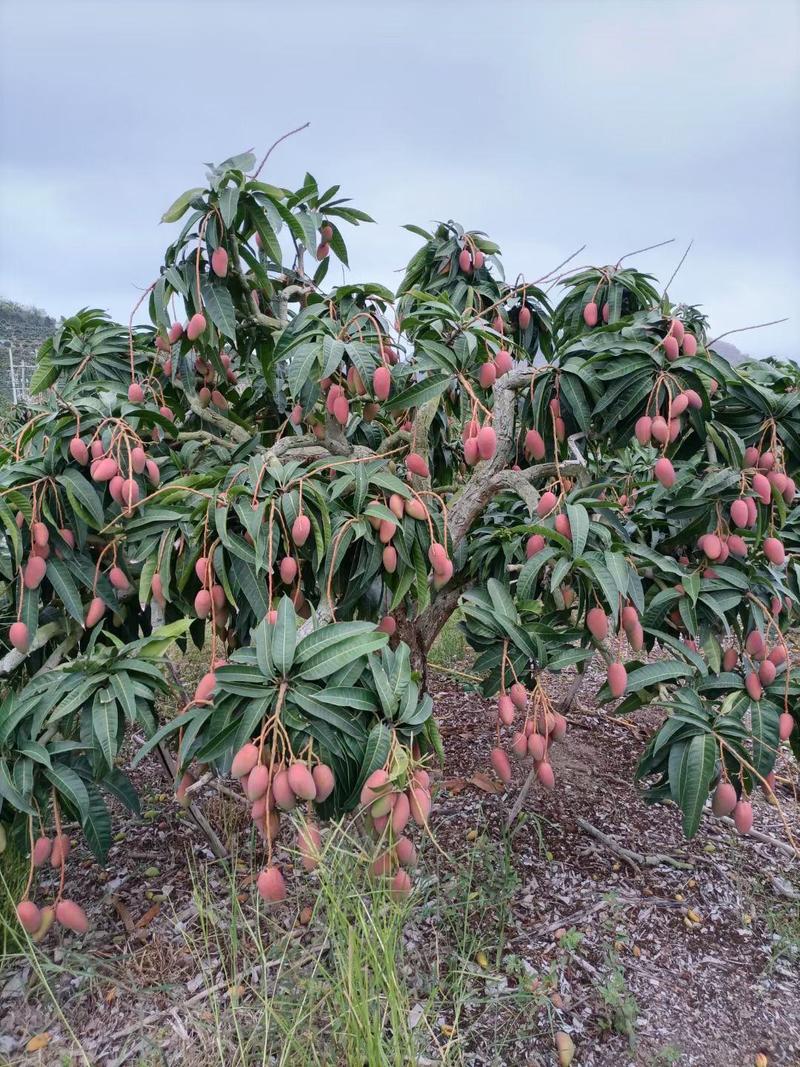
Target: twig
(675, 272)
(275, 145)
(452, 670)
(757, 835)
(635, 859)
(575, 688)
(198, 785)
(214, 842)
(648, 248)
(743, 329)
(526, 788)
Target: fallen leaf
(124, 913)
(37, 1042)
(566, 1048)
(485, 783)
(454, 785)
(148, 916)
(482, 959)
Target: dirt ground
(684, 953)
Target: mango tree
(307, 482)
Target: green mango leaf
(180, 205)
(284, 637)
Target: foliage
(270, 469)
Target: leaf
(97, 825)
(325, 636)
(333, 657)
(121, 787)
(530, 572)
(695, 770)
(284, 636)
(253, 590)
(655, 673)
(82, 496)
(243, 161)
(70, 785)
(9, 792)
(502, 601)
(39, 1042)
(105, 718)
(375, 755)
(168, 728)
(229, 203)
(764, 729)
(269, 239)
(43, 377)
(179, 206)
(301, 361)
(419, 393)
(217, 302)
(579, 525)
(61, 580)
(33, 750)
(342, 723)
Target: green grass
(340, 974)
(450, 648)
(13, 875)
(334, 993)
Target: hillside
(22, 330)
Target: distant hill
(22, 330)
(730, 352)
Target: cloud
(546, 124)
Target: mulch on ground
(651, 964)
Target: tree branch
(433, 618)
(231, 429)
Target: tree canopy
(306, 482)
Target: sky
(549, 124)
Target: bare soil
(640, 961)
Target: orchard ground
(688, 955)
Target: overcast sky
(546, 124)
